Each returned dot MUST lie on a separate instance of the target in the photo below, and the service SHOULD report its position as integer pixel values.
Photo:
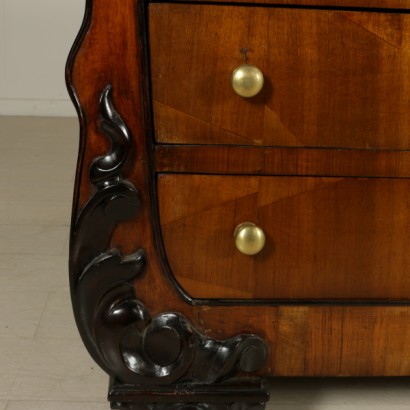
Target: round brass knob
(247, 80)
(249, 238)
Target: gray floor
(43, 364)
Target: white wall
(35, 38)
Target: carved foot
(242, 394)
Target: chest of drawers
(219, 238)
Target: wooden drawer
(333, 78)
(326, 238)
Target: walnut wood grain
(357, 4)
(281, 161)
(325, 340)
(327, 238)
(332, 78)
(304, 340)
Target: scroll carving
(164, 352)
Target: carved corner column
(132, 320)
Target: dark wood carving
(236, 395)
(148, 356)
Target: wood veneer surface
(374, 4)
(333, 78)
(323, 340)
(303, 340)
(239, 160)
(327, 238)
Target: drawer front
(326, 238)
(332, 78)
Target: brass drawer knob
(247, 80)
(249, 238)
